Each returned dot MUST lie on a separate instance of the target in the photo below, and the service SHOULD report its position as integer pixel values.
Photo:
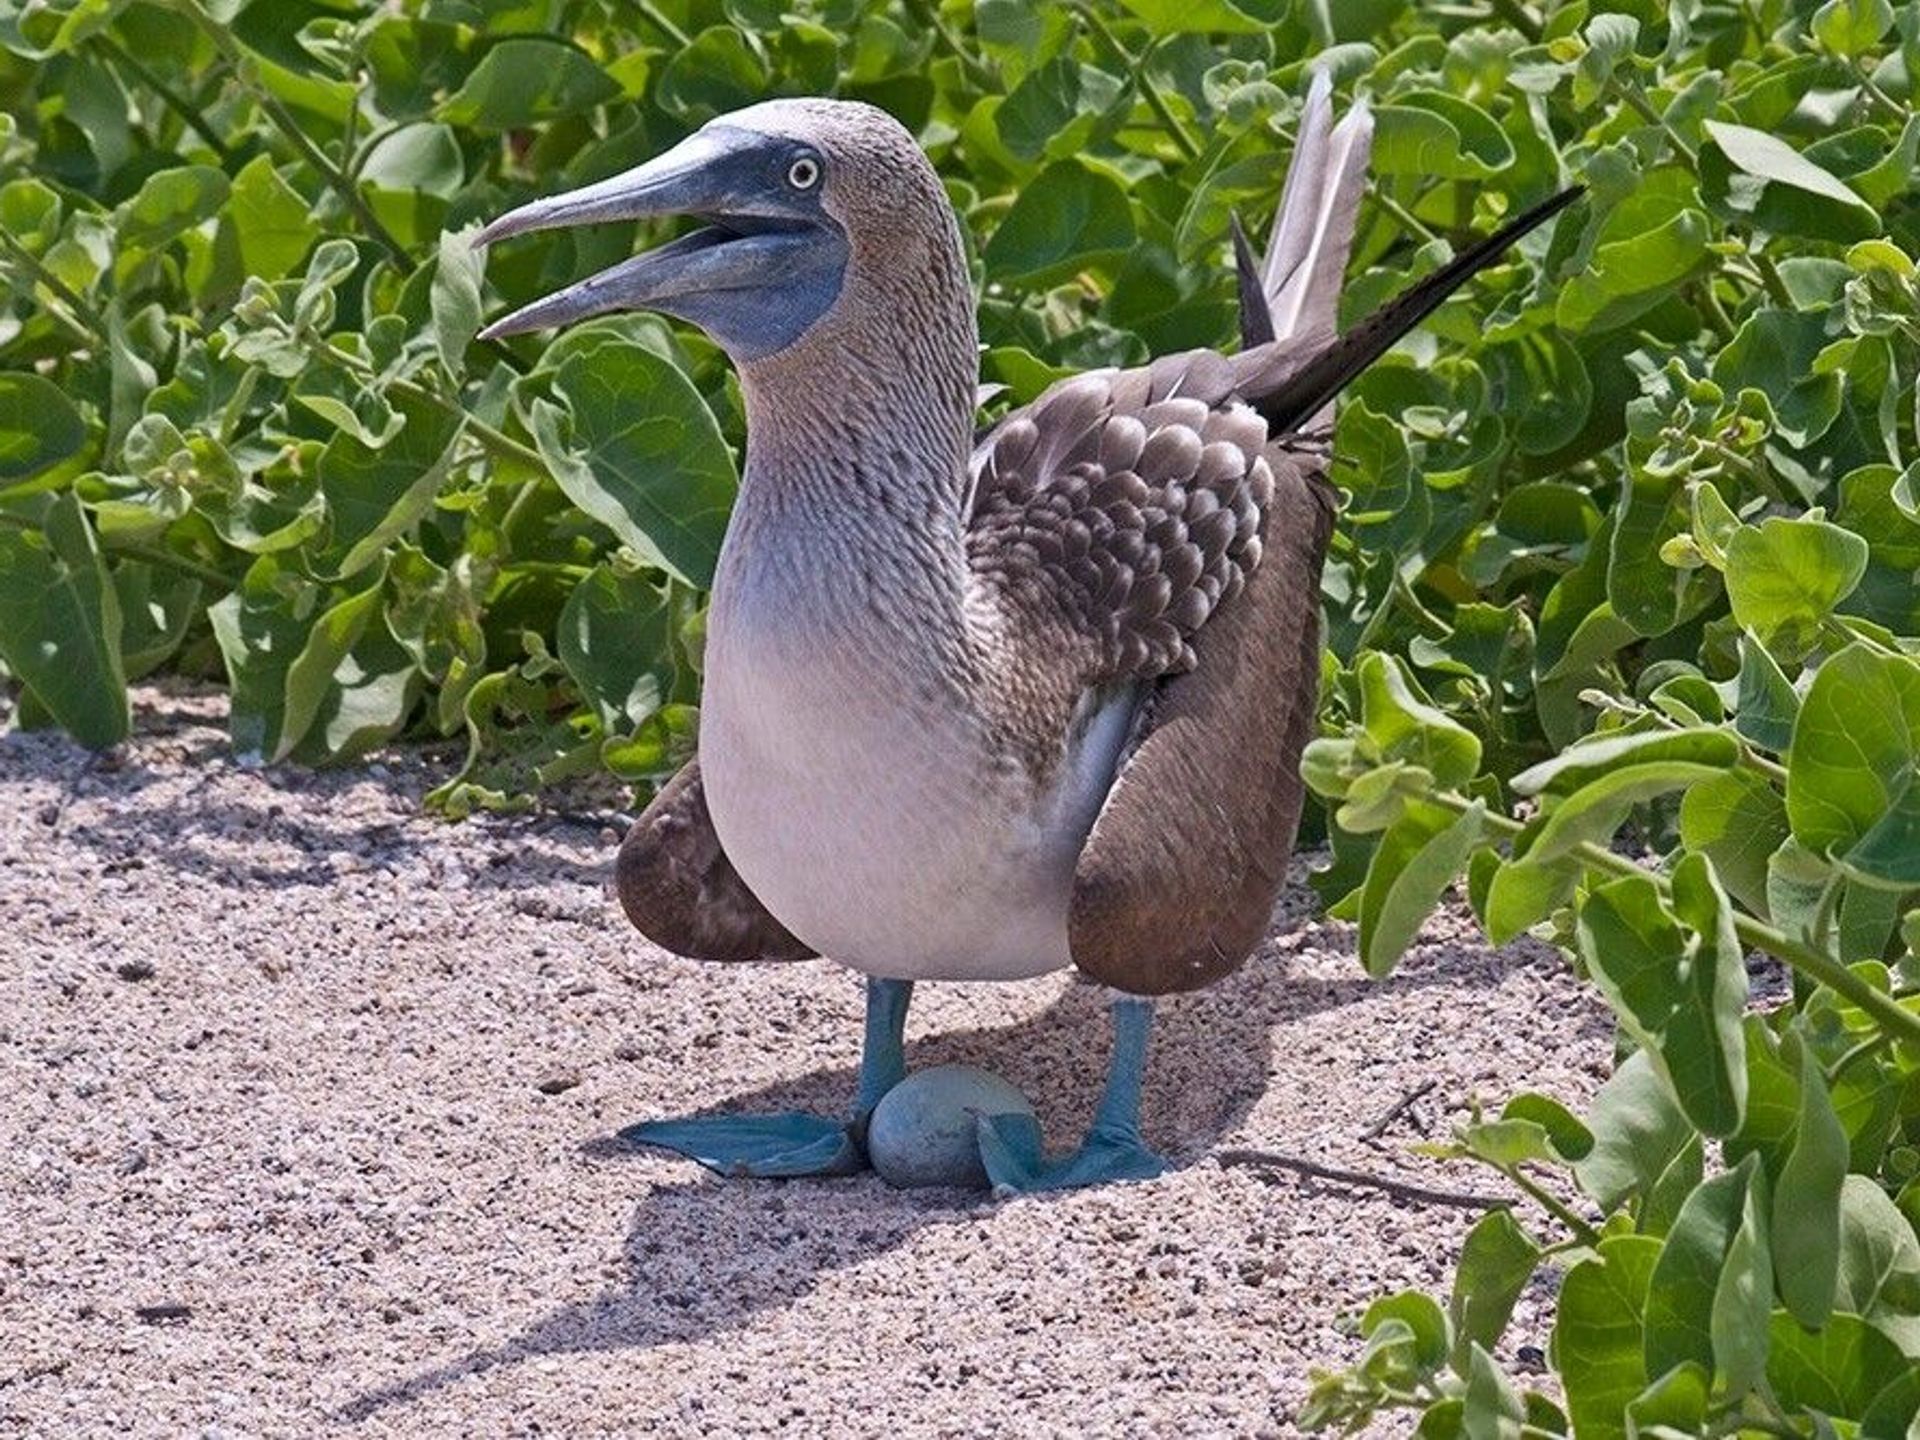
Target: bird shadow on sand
(706, 1255)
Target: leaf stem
(490, 437)
(90, 321)
(1404, 217)
(169, 97)
(166, 559)
(1518, 16)
(927, 12)
(651, 13)
(283, 120)
(1551, 1203)
(1858, 1053)
(1142, 82)
(1755, 934)
(1770, 277)
(1636, 100)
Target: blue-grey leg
(794, 1143)
(1112, 1150)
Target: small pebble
(136, 969)
(557, 1083)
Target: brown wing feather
(680, 890)
(1176, 883)
(1116, 513)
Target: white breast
(868, 813)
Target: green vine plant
(1622, 625)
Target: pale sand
(319, 1123)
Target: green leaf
(1431, 133)
(717, 73)
(1806, 1202)
(1738, 821)
(168, 203)
(456, 299)
(643, 456)
(1774, 353)
(1852, 27)
(1680, 996)
(271, 224)
(523, 81)
(1767, 704)
(1599, 1336)
(60, 624)
(1591, 814)
(1758, 177)
(1419, 856)
(1055, 110)
(1404, 725)
(1784, 578)
(1066, 218)
(1194, 17)
(375, 496)
(1630, 276)
(1572, 1141)
(328, 641)
(156, 607)
(1709, 1296)
(1879, 1263)
(1598, 756)
(1836, 1370)
(39, 427)
(1425, 1323)
(1638, 1128)
(364, 703)
(1493, 1407)
(615, 638)
(1521, 894)
(1851, 791)
(1496, 1262)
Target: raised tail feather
(1293, 294)
(1307, 388)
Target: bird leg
(1010, 1145)
(794, 1143)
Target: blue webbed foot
(767, 1146)
(1017, 1165)
(1010, 1145)
(790, 1145)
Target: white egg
(923, 1131)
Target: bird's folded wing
(1176, 883)
(1142, 527)
(680, 890)
(1116, 514)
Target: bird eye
(804, 173)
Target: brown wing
(1176, 883)
(1113, 516)
(680, 890)
(1148, 520)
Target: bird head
(790, 193)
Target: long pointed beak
(763, 258)
(680, 182)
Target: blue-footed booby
(982, 707)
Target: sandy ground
(307, 1119)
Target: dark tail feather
(1329, 372)
(1256, 314)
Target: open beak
(711, 175)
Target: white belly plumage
(881, 833)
